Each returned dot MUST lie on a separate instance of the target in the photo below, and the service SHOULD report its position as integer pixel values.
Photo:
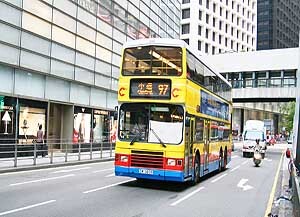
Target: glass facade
(69, 51)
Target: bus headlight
(171, 162)
(124, 158)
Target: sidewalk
(59, 159)
(282, 204)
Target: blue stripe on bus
(166, 175)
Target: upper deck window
(152, 61)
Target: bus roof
(170, 42)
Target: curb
(37, 167)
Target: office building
(59, 63)
(278, 24)
(219, 26)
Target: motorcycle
(257, 155)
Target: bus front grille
(147, 159)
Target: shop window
(7, 117)
(82, 125)
(32, 115)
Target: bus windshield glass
(152, 61)
(151, 123)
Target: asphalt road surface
(92, 190)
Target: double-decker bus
(174, 113)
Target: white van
(254, 129)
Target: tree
(288, 111)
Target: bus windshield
(152, 61)
(151, 123)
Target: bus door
(206, 145)
(189, 139)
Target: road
(92, 190)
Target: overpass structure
(263, 81)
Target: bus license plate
(146, 171)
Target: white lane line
(26, 207)
(99, 171)
(41, 180)
(235, 168)
(244, 162)
(108, 186)
(220, 177)
(71, 170)
(110, 175)
(49, 169)
(186, 196)
(234, 156)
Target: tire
(224, 161)
(196, 170)
(220, 161)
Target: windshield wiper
(135, 139)
(157, 137)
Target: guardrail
(33, 153)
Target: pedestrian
(40, 140)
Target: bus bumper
(155, 174)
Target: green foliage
(288, 111)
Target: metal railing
(14, 154)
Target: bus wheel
(220, 161)
(197, 169)
(225, 161)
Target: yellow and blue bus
(174, 113)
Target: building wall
(278, 24)
(215, 26)
(68, 51)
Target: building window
(185, 1)
(214, 7)
(206, 48)
(185, 29)
(214, 36)
(185, 13)
(207, 18)
(213, 49)
(187, 41)
(200, 15)
(226, 14)
(199, 30)
(214, 22)
(221, 11)
(199, 45)
(200, 2)
(220, 39)
(206, 33)
(220, 25)
(226, 41)
(207, 4)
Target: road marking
(220, 177)
(242, 185)
(186, 196)
(108, 186)
(272, 194)
(246, 161)
(234, 156)
(110, 175)
(42, 180)
(49, 169)
(71, 170)
(235, 168)
(99, 171)
(26, 207)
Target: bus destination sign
(150, 88)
